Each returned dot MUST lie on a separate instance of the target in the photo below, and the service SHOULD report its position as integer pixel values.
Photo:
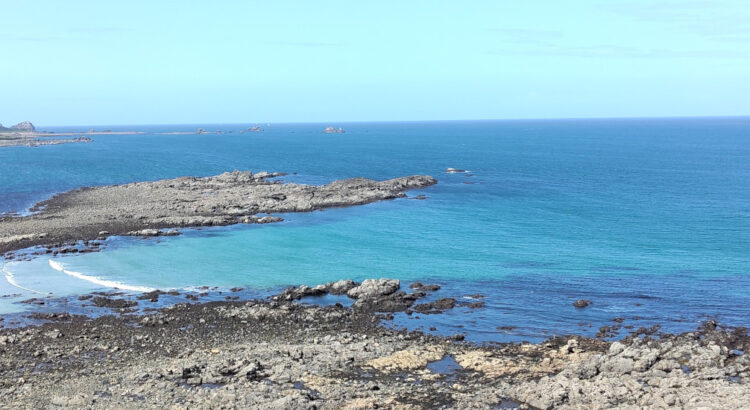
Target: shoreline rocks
(275, 353)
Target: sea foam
(12, 280)
(99, 281)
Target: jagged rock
(25, 126)
(371, 288)
(341, 287)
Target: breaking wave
(99, 281)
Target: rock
(101, 301)
(581, 303)
(422, 287)
(372, 288)
(394, 302)
(438, 306)
(341, 287)
(254, 219)
(299, 292)
(454, 171)
(152, 232)
(25, 126)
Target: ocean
(647, 218)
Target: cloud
(618, 51)
(716, 20)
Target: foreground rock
(278, 354)
(229, 198)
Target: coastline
(280, 353)
(26, 141)
(146, 208)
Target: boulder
(581, 303)
(372, 288)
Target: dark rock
(438, 306)
(474, 305)
(101, 301)
(152, 296)
(581, 303)
(423, 287)
(395, 302)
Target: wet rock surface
(147, 208)
(278, 353)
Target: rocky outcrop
(22, 140)
(229, 198)
(686, 371)
(25, 126)
(252, 129)
(372, 288)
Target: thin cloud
(616, 51)
(717, 20)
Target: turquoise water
(647, 218)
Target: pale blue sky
(143, 62)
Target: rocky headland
(277, 353)
(230, 198)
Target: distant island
(331, 130)
(24, 134)
(252, 129)
(25, 126)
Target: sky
(82, 62)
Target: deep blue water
(648, 218)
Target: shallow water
(646, 218)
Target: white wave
(99, 281)
(12, 280)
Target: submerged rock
(438, 306)
(581, 303)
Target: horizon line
(331, 123)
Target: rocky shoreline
(230, 198)
(279, 353)
(28, 141)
